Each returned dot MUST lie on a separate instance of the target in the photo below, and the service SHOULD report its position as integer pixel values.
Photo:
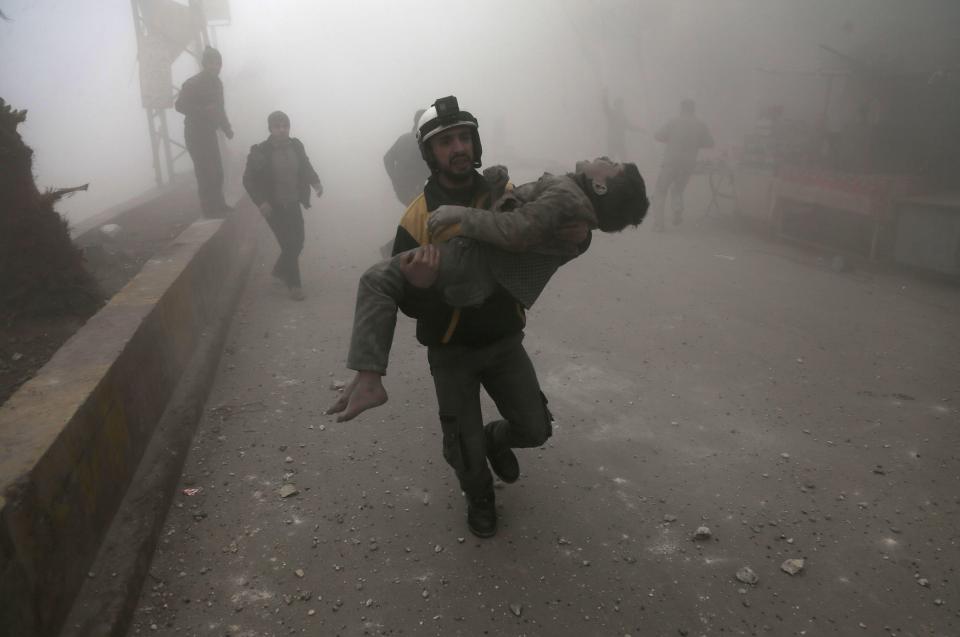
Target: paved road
(703, 377)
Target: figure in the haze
(683, 137)
(617, 127)
(201, 102)
(278, 178)
(469, 302)
(405, 166)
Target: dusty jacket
(258, 174)
(201, 102)
(438, 323)
(518, 239)
(526, 218)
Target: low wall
(71, 438)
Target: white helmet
(442, 115)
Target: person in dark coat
(201, 102)
(405, 166)
(278, 178)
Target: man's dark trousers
(287, 224)
(204, 149)
(505, 371)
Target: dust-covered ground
(702, 377)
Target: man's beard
(463, 178)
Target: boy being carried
(518, 245)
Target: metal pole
(165, 135)
(157, 173)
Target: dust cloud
(351, 75)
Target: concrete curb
(72, 438)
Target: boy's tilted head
(617, 191)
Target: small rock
(669, 518)
(923, 581)
(111, 230)
(288, 459)
(516, 609)
(311, 612)
(337, 385)
(437, 549)
(298, 572)
(288, 490)
(17, 356)
(747, 576)
(425, 594)
(702, 533)
(792, 566)
(785, 455)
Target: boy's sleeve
(533, 223)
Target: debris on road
(702, 533)
(792, 566)
(288, 490)
(192, 491)
(747, 576)
(516, 609)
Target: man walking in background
(684, 136)
(201, 102)
(278, 178)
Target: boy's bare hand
(421, 266)
(575, 232)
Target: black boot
(482, 515)
(502, 459)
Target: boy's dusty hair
(625, 203)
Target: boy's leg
(375, 318)
(374, 321)
(364, 392)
